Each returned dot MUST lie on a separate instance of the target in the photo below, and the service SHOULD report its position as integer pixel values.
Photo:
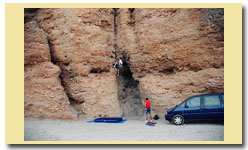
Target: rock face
(173, 53)
(169, 40)
(44, 95)
(82, 42)
(168, 55)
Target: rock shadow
(128, 91)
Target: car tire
(178, 119)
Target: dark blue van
(207, 107)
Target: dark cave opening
(128, 91)
(127, 75)
(128, 87)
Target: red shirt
(148, 104)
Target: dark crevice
(98, 70)
(115, 27)
(115, 16)
(132, 20)
(71, 99)
(169, 70)
(128, 91)
(74, 101)
(66, 64)
(131, 10)
(128, 88)
(30, 10)
(55, 62)
(29, 14)
(51, 52)
(174, 69)
(76, 105)
(195, 69)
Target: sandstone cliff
(82, 44)
(173, 53)
(44, 95)
(168, 55)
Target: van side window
(212, 100)
(194, 102)
(182, 105)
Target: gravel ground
(131, 130)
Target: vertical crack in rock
(128, 91)
(132, 21)
(128, 88)
(51, 53)
(115, 28)
(72, 101)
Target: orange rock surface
(168, 55)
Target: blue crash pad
(108, 120)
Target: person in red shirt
(148, 110)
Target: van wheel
(178, 120)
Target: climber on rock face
(118, 66)
(120, 62)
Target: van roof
(207, 94)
